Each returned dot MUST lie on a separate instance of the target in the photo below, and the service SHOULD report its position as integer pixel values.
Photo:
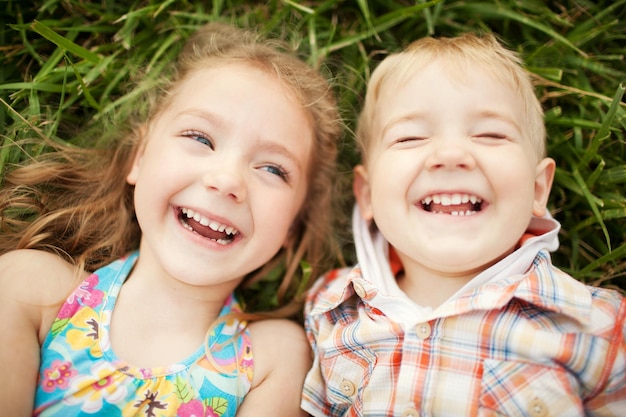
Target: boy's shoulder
(598, 309)
(608, 307)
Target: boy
(454, 307)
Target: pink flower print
(58, 375)
(84, 295)
(195, 408)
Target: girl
(228, 177)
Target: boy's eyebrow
(408, 117)
(492, 114)
(481, 114)
(265, 144)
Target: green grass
(65, 66)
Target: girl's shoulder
(282, 357)
(277, 343)
(28, 270)
(270, 332)
(34, 283)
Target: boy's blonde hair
(76, 202)
(459, 54)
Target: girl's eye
(278, 171)
(200, 137)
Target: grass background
(65, 66)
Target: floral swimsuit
(80, 375)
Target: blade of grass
(83, 87)
(593, 204)
(605, 129)
(615, 255)
(39, 86)
(63, 42)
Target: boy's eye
(491, 135)
(411, 139)
(278, 171)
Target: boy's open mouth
(205, 227)
(453, 204)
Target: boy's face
(451, 178)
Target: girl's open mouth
(206, 227)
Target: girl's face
(452, 179)
(222, 176)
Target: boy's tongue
(440, 208)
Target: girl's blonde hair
(459, 54)
(75, 201)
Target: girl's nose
(451, 154)
(226, 178)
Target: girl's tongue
(196, 223)
(206, 231)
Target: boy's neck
(425, 287)
(429, 290)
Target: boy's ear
(543, 184)
(133, 174)
(362, 192)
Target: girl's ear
(133, 174)
(543, 184)
(362, 192)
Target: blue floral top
(81, 376)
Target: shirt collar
(526, 274)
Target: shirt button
(410, 412)
(423, 330)
(347, 388)
(359, 290)
(538, 408)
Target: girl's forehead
(194, 80)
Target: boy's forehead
(410, 89)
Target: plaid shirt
(533, 344)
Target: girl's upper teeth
(451, 199)
(218, 227)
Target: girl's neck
(157, 322)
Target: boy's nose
(451, 154)
(227, 179)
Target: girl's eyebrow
(212, 118)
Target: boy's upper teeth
(451, 199)
(218, 227)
